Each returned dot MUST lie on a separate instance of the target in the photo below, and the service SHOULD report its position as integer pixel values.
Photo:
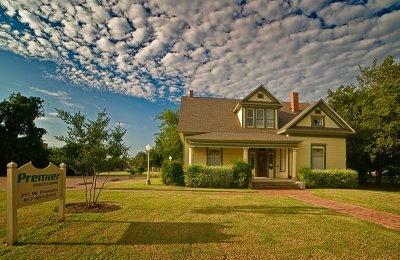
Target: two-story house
(276, 138)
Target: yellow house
(276, 138)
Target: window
(260, 118)
(214, 157)
(283, 160)
(260, 95)
(317, 121)
(249, 117)
(317, 157)
(270, 118)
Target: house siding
(335, 152)
(328, 121)
(230, 154)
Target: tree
(91, 147)
(168, 142)
(373, 110)
(20, 138)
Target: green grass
(156, 184)
(115, 173)
(388, 201)
(190, 225)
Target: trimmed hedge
(172, 173)
(236, 176)
(329, 178)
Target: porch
(279, 162)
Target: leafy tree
(91, 147)
(20, 139)
(168, 142)
(373, 109)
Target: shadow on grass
(148, 233)
(383, 187)
(267, 210)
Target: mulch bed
(77, 208)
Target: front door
(265, 163)
(262, 164)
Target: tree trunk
(378, 180)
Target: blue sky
(136, 58)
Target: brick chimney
(294, 102)
(191, 93)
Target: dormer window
(270, 118)
(249, 117)
(317, 121)
(260, 118)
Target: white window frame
(321, 124)
(262, 118)
(268, 119)
(323, 147)
(248, 119)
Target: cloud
(159, 49)
(62, 97)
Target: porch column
(245, 155)
(294, 174)
(190, 155)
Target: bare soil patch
(78, 208)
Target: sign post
(28, 185)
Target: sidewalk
(388, 220)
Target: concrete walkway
(388, 220)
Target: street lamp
(148, 148)
(170, 158)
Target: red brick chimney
(191, 93)
(294, 102)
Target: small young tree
(90, 147)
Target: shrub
(192, 173)
(329, 178)
(132, 170)
(139, 168)
(172, 173)
(242, 174)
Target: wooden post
(12, 230)
(61, 201)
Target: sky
(137, 58)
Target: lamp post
(148, 148)
(170, 158)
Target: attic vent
(318, 111)
(260, 95)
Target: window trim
(273, 118)
(263, 118)
(323, 146)
(247, 117)
(220, 156)
(282, 165)
(318, 117)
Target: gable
(328, 121)
(261, 94)
(332, 122)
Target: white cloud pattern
(159, 49)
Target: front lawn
(156, 184)
(155, 224)
(388, 201)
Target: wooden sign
(28, 185)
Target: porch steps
(263, 184)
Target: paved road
(76, 182)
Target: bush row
(236, 176)
(329, 178)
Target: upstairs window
(249, 117)
(260, 118)
(317, 121)
(270, 118)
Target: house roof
(344, 127)
(239, 137)
(203, 115)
